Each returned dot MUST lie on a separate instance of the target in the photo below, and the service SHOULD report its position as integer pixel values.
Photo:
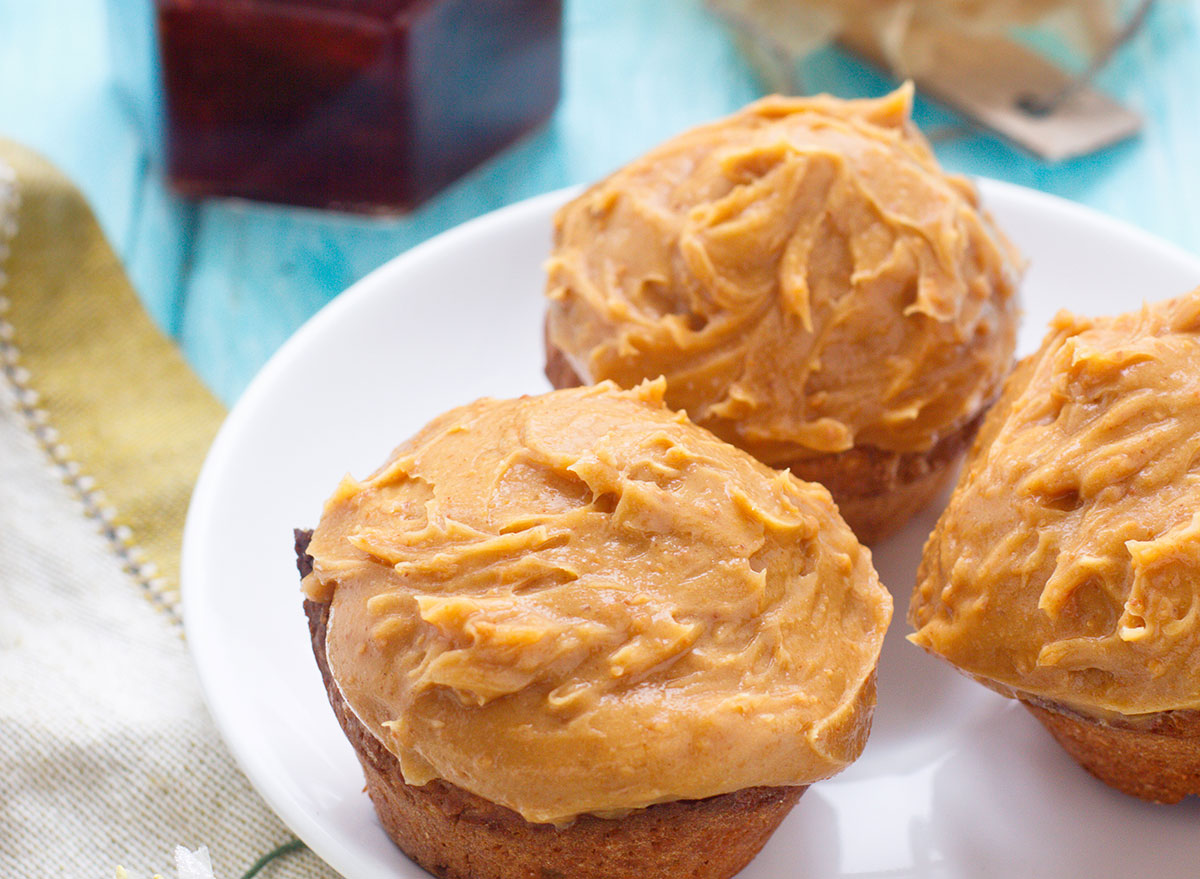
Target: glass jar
(361, 105)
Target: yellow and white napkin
(109, 756)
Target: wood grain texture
(232, 281)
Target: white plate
(955, 781)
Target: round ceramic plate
(955, 781)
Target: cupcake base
(1156, 760)
(455, 834)
(876, 491)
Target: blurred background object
(1023, 68)
(905, 34)
(362, 105)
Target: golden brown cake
(577, 635)
(811, 284)
(1066, 570)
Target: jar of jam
(361, 105)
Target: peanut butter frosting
(803, 274)
(1067, 565)
(583, 603)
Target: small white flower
(193, 865)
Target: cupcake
(811, 284)
(1066, 570)
(577, 635)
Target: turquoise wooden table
(231, 281)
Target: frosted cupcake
(577, 635)
(811, 284)
(1066, 570)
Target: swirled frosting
(583, 603)
(1067, 565)
(803, 274)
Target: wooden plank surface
(232, 280)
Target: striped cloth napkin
(109, 756)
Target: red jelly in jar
(363, 105)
